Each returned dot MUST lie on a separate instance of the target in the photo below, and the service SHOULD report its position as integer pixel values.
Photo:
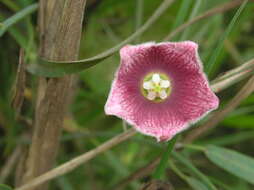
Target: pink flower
(160, 89)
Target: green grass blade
(17, 17)
(234, 162)
(164, 160)
(192, 182)
(242, 121)
(48, 68)
(181, 14)
(194, 170)
(217, 51)
(17, 35)
(139, 16)
(196, 184)
(10, 4)
(194, 12)
(220, 184)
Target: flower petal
(193, 97)
(163, 94)
(151, 95)
(129, 52)
(156, 78)
(164, 83)
(190, 96)
(181, 55)
(148, 85)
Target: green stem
(177, 171)
(139, 16)
(194, 12)
(181, 14)
(164, 160)
(17, 17)
(194, 147)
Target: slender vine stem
(48, 68)
(165, 157)
(17, 17)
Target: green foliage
(242, 121)
(205, 182)
(183, 11)
(16, 18)
(106, 24)
(218, 49)
(196, 184)
(5, 187)
(232, 161)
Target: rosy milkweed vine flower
(161, 88)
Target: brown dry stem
(60, 25)
(20, 85)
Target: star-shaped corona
(160, 89)
(156, 87)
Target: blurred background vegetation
(106, 23)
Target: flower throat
(156, 87)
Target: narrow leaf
(194, 12)
(196, 184)
(17, 17)
(192, 182)
(234, 162)
(181, 13)
(49, 68)
(205, 180)
(164, 160)
(217, 51)
(241, 121)
(139, 16)
(10, 4)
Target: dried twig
(74, 163)
(220, 9)
(20, 84)
(60, 25)
(233, 76)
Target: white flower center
(156, 87)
